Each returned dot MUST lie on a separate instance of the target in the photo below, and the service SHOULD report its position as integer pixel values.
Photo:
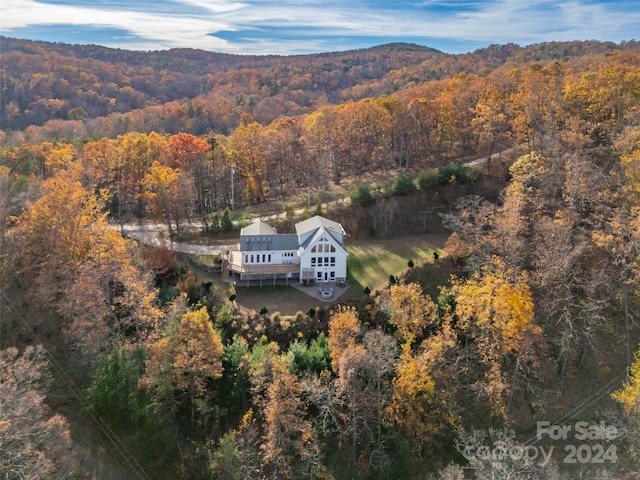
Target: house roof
(258, 227)
(317, 235)
(316, 222)
(262, 237)
(268, 243)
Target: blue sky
(292, 27)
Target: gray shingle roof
(316, 222)
(258, 227)
(268, 243)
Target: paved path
(152, 234)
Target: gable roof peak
(258, 227)
(316, 222)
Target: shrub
(427, 179)
(226, 224)
(402, 185)
(361, 196)
(474, 174)
(312, 357)
(305, 215)
(451, 173)
(459, 174)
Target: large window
(323, 246)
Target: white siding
(327, 263)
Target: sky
(286, 27)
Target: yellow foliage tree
(495, 309)
(161, 186)
(629, 397)
(247, 151)
(53, 157)
(424, 388)
(344, 327)
(411, 311)
(188, 359)
(79, 268)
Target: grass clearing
(281, 298)
(371, 261)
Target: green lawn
(370, 262)
(281, 298)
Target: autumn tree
(550, 205)
(35, 442)
(19, 160)
(247, 152)
(89, 276)
(167, 194)
(596, 103)
(493, 114)
(344, 328)
(100, 161)
(188, 359)
(470, 221)
(322, 140)
(283, 152)
(136, 153)
(363, 387)
(364, 136)
(162, 260)
(5, 200)
(290, 447)
(238, 455)
(494, 309)
(629, 397)
(50, 157)
(537, 105)
(197, 157)
(411, 312)
(424, 403)
(423, 120)
(456, 248)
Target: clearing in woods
(370, 263)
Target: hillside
(526, 161)
(44, 82)
(53, 81)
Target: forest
(116, 359)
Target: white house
(314, 254)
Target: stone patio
(321, 291)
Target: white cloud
(490, 21)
